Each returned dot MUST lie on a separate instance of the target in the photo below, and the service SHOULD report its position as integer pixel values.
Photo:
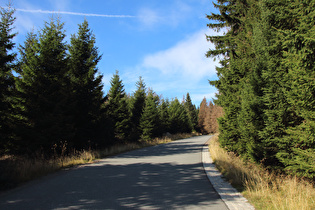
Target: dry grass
(281, 193)
(16, 170)
(264, 190)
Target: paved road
(168, 176)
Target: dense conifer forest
(266, 81)
(52, 96)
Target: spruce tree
(250, 117)
(266, 81)
(44, 88)
(229, 73)
(275, 16)
(164, 119)
(117, 108)
(86, 86)
(240, 77)
(298, 150)
(7, 59)
(191, 111)
(137, 108)
(149, 119)
(179, 121)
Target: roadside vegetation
(266, 81)
(263, 189)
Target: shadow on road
(173, 148)
(140, 184)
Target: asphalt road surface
(168, 176)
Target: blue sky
(161, 40)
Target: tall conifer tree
(179, 121)
(275, 16)
(229, 72)
(164, 119)
(266, 81)
(191, 112)
(240, 77)
(7, 58)
(45, 88)
(298, 38)
(86, 84)
(118, 109)
(137, 108)
(149, 118)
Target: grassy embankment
(263, 189)
(17, 170)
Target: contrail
(74, 13)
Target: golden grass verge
(263, 189)
(16, 170)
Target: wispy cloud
(74, 13)
(148, 17)
(172, 15)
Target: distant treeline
(52, 96)
(266, 81)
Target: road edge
(230, 196)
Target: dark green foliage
(266, 81)
(230, 74)
(298, 152)
(7, 59)
(179, 121)
(118, 109)
(164, 119)
(150, 118)
(87, 95)
(191, 112)
(137, 108)
(45, 88)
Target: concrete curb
(230, 196)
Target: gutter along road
(167, 176)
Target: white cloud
(186, 59)
(179, 69)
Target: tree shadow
(107, 185)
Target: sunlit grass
(263, 189)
